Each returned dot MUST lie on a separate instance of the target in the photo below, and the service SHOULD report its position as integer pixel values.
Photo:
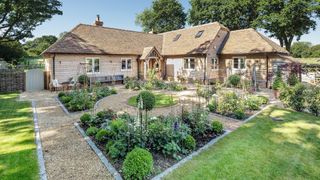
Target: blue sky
(114, 13)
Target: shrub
(234, 80)
(297, 99)
(85, 118)
(100, 136)
(217, 127)
(65, 99)
(212, 106)
(253, 102)
(172, 149)
(239, 114)
(61, 94)
(118, 126)
(83, 79)
(198, 121)
(116, 149)
(292, 79)
(137, 164)
(106, 114)
(313, 100)
(263, 99)
(228, 102)
(91, 131)
(189, 143)
(278, 82)
(148, 100)
(113, 91)
(81, 100)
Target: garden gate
(34, 80)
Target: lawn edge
(100, 155)
(41, 161)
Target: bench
(107, 79)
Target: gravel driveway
(66, 153)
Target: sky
(116, 14)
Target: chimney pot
(98, 22)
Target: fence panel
(12, 80)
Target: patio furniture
(56, 85)
(72, 83)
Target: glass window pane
(186, 63)
(236, 63)
(123, 64)
(242, 63)
(96, 65)
(192, 64)
(89, 65)
(129, 64)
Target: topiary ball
(85, 118)
(234, 80)
(148, 99)
(189, 143)
(137, 164)
(217, 127)
(83, 79)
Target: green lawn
(18, 158)
(262, 149)
(162, 100)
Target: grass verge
(162, 100)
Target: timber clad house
(205, 52)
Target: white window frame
(92, 66)
(189, 63)
(126, 60)
(239, 63)
(215, 66)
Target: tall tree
(315, 51)
(287, 19)
(18, 18)
(162, 16)
(38, 45)
(235, 14)
(11, 51)
(301, 49)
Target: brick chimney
(97, 22)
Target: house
(205, 52)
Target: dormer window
(199, 34)
(177, 37)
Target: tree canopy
(19, 18)
(38, 45)
(11, 51)
(282, 19)
(164, 15)
(305, 50)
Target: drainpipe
(205, 70)
(138, 73)
(267, 75)
(54, 66)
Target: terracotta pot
(276, 94)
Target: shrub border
(41, 162)
(98, 152)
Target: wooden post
(267, 75)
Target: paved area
(66, 154)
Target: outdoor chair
(56, 85)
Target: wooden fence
(12, 80)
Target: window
(177, 37)
(214, 63)
(199, 34)
(126, 64)
(189, 63)
(239, 63)
(92, 65)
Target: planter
(276, 93)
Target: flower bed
(79, 100)
(161, 141)
(231, 105)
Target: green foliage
(239, 114)
(38, 45)
(101, 135)
(118, 126)
(228, 102)
(106, 114)
(85, 118)
(83, 79)
(163, 16)
(116, 149)
(198, 121)
(213, 105)
(293, 79)
(137, 164)
(65, 99)
(189, 143)
(253, 102)
(11, 51)
(312, 96)
(174, 86)
(234, 80)
(278, 82)
(20, 18)
(301, 49)
(91, 131)
(148, 100)
(263, 99)
(172, 149)
(61, 94)
(294, 97)
(81, 100)
(217, 127)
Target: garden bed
(162, 140)
(162, 100)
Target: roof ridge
(246, 29)
(195, 27)
(270, 42)
(127, 30)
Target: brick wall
(12, 80)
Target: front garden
(141, 146)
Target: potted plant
(277, 85)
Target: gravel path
(66, 154)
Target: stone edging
(103, 159)
(42, 168)
(189, 157)
(211, 143)
(65, 110)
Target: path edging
(98, 152)
(41, 162)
